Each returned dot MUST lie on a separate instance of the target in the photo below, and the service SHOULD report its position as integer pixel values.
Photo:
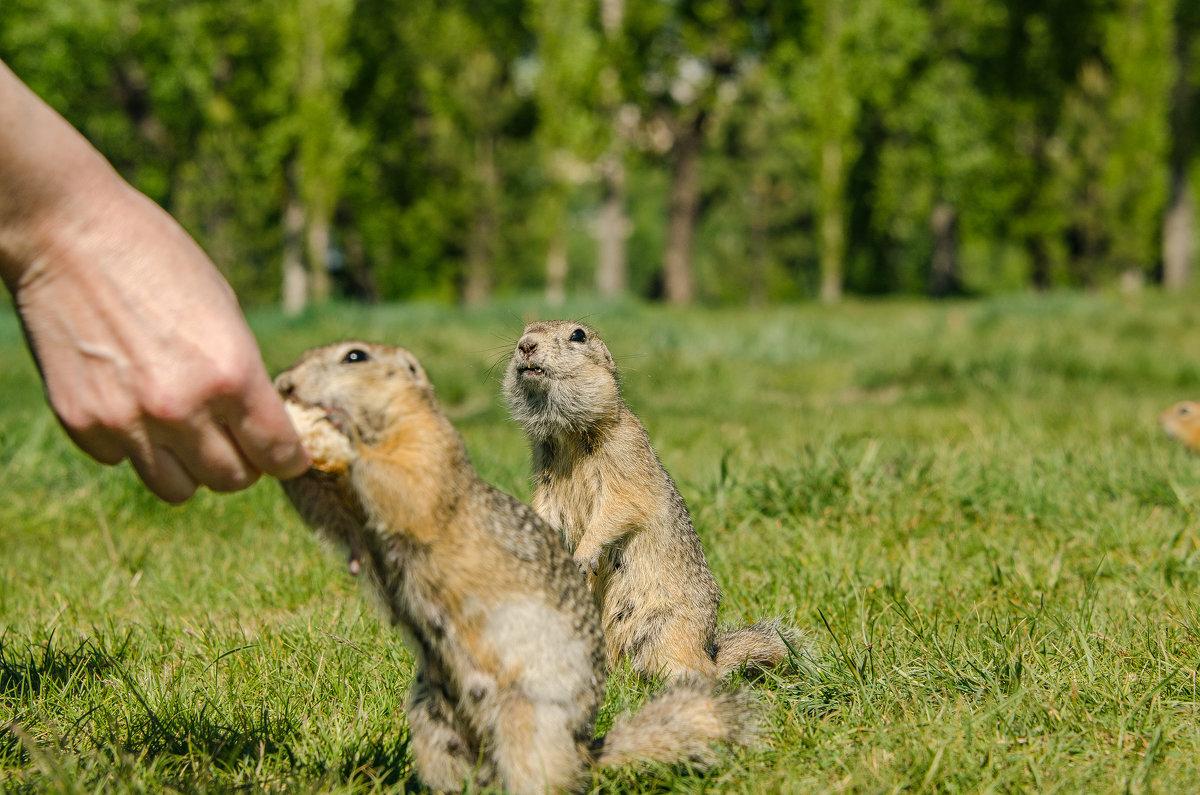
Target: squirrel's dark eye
(354, 356)
(578, 335)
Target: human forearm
(50, 176)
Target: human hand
(141, 344)
(146, 356)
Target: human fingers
(207, 451)
(262, 431)
(100, 444)
(171, 457)
(163, 474)
(155, 464)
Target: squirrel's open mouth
(530, 370)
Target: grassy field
(968, 505)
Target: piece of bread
(330, 449)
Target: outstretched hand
(141, 344)
(146, 356)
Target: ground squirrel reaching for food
(1182, 422)
(597, 478)
(510, 657)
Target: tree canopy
(677, 149)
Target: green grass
(968, 505)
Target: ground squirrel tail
(761, 645)
(681, 724)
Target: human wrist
(38, 243)
(53, 183)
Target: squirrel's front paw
(588, 563)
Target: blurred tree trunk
(570, 120)
(133, 92)
(310, 224)
(1040, 262)
(612, 15)
(833, 221)
(317, 246)
(612, 227)
(944, 276)
(1179, 233)
(357, 267)
(295, 276)
(315, 186)
(477, 282)
(759, 240)
(679, 284)
(1179, 221)
(836, 114)
(316, 62)
(556, 267)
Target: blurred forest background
(683, 150)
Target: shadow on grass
(27, 671)
(384, 761)
(72, 723)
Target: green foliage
(437, 148)
(968, 505)
(1114, 137)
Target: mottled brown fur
(510, 672)
(598, 479)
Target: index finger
(264, 433)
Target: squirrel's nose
(284, 385)
(527, 346)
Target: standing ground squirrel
(510, 658)
(1182, 422)
(598, 479)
